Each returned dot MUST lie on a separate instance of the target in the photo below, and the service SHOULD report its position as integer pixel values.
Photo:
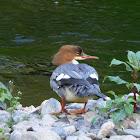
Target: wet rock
(60, 131)
(52, 105)
(20, 115)
(72, 138)
(48, 120)
(105, 129)
(70, 129)
(134, 132)
(83, 125)
(4, 116)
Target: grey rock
(4, 127)
(92, 136)
(83, 125)
(134, 132)
(105, 129)
(70, 129)
(19, 107)
(94, 131)
(16, 135)
(52, 105)
(78, 133)
(61, 122)
(83, 137)
(128, 137)
(48, 120)
(4, 116)
(60, 131)
(19, 115)
(29, 109)
(72, 138)
(89, 115)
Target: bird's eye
(77, 53)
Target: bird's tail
(106, 98)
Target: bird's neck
(75, 61)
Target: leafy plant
(118, 108)
(132, 65)
(7, 101)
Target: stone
(105, 129)
(16, 135)
(61, 122)
(70, 129)
(19, 115)
(128, 137)
(72, 138)
(94, 131)
(52, 105)
(134, 132)
(112, 133)
(19, 107)
(29, 109)
(4, 116)
(92, 136)
(83, 137)
(89, 115)
(60, 131)
(83, 125)
(48, 120)
(4, 127)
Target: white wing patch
(62, 76)
(94, 76)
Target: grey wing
(81, 79)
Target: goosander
(72, 81)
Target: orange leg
(78, 111)
(62, 107)
(65, 110)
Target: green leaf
(4, 87)
(118, 62)
(137, 86)
(113, 93)
(105, 78)
(131, 100)
(3, 105)
(102, 108)
(117, 79)
(119, 101)
(139, 97)
(117, 116)
(94, 119)
(138, 57)
(132, 58)
(109, 104)
(129, 109)
(133, 66)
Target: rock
(89, 116)
(70, 129)
(128, 137)
(25, 125)
(83, 137)
(94, 131)
(78, 133)
(112, 133)
(19, 107)
(4, 127)
(60, 131)
(72, 138)
(19, 116)
(61, 122)
(4, 116)
(52, 105)
(134, 132)
(83, 125)
(16, 135)
(75, 106)
(48, 120)
(29, 109)
(42, 135)
(105, 129)
(92, 136)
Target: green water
(31, 32)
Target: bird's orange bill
(89, 57)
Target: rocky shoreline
(34, 123)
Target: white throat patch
(74, 61)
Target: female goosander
(72, 81)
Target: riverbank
(34, 123)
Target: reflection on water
(32, 32)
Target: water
(31, 32)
